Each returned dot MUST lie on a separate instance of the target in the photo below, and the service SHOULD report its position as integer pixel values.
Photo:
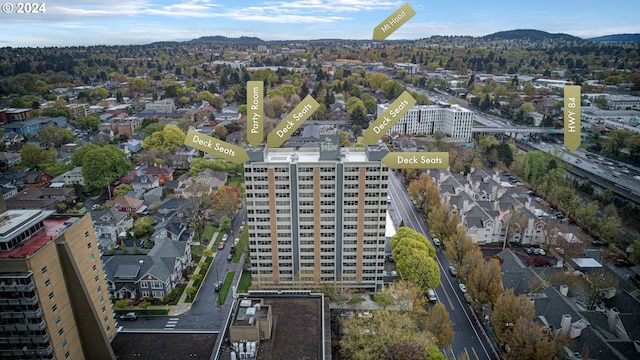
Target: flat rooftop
(13, 222)
(310, 156)
(297, 328)
(161, 346)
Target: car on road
(225, 237)
(394, 273)
(463, 288)
(221, 245)
(436, 241)
(129, 316)
(453, 271)
(432, 295)
(229, 257)
(217, 286)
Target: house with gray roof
(144, 182)
(610, 330)
(148, 276)
(487, 206)
(109, 224)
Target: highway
(468, 339)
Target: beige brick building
(317, 216)
(54, 302)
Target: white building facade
(317, 216)
(453, 120)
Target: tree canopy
(103, 165)
(168, 139)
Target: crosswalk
(171, 323)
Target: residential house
(144, 182)
(11, 137)
(173, 228)
(13, 178)
(71, 177)
(148, 276)
(134, 145)
(41, 198)
(126, 204)
(32, 126)
(110, 224)
(170, 205)
(162, 173)
(153, 196)
(37, 179)
(8, 160)
(183, 156)
(8, 192)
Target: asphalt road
(468, 338)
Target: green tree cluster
(415, 258)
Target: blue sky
(112, 22)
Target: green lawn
(207, 233)
(245, 282)
(226, 286)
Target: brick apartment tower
(54, 302)
(317, 216)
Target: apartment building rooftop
(13, 222)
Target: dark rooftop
(160, 346)
(297, 328)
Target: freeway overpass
(515, 130)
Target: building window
(47, 283)
(101, 298)
(156, 285)
(67, 355)
(145, 294)
(86, 234)
(144, 285)
(64, 343)
(51, 295)
(54, 307)
(106, 319)
(104, 308)
(99, 288)
(58, 319)
(158, 294)
(61, 331)
(94, 268)
(91, 257)
(88, 245)
(96, 278)
(44, 269)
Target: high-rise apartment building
(453, 120)
(54, 302)
(317, 215)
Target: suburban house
(71, 177)
(153, 196)
(7, 159)
(162, 173)
(37, 179)
(41, 198)
(173, 228)
(183, 156)
(144, 182)
(13, 178)
(110, 224)
(148, 276)
(126, 204)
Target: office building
(317, 215)
(54, 302)
(452, 120)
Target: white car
(436, 241)
(225, 237)
(463, 288)
(432, 295)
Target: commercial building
(452, 120)
(54, 302)
(317, 215)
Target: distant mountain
(531, 35)
(617, 38)
(243, 40)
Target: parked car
(129, 316)
(225, 237)
(432, 295)
(452, 270)
(217, 286)
(229, 257)
(463, 288)
(221, 245)
(528, 250)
